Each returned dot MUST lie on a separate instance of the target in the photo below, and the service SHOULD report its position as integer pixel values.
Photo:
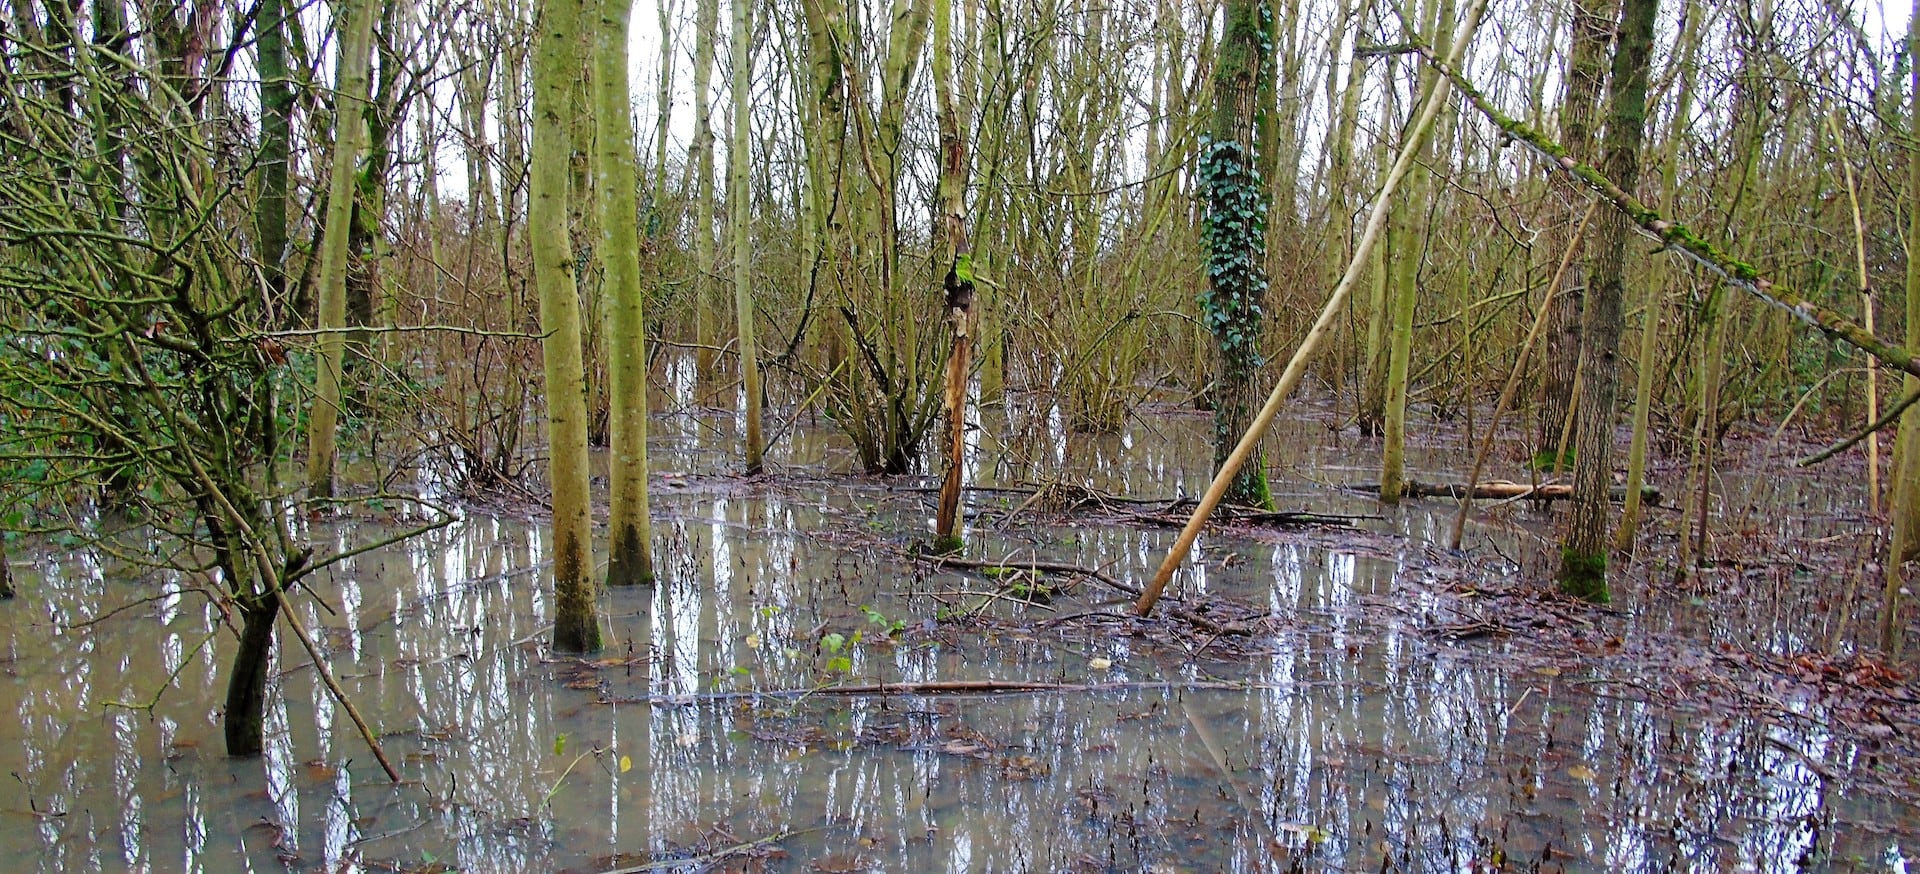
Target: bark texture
(1584, 551)
(556, 68)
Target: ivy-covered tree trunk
(556, 68)
(1234, 234)
(1583, 568)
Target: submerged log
(1496, 490)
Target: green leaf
(560, 745)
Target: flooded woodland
(1338, 692)
(959, 435)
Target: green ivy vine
(1235, 233)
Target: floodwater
(1340, 741)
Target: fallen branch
(1501, 490)
(936, 687)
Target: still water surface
(1341, 742)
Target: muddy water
(1340, 743)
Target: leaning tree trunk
(630, 557)
(349, 132)
(1235, 238)
(1583, 567)
(556, 68)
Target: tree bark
(630, 555)
(1654, 300)
(354, 19)
(1408, 245)
(1592, 25)
(243, 722)
(705, 335)
(556, 68)
(1584, 550)
(276, 112)
(739, 147)
(1904, 530)
(954, 169)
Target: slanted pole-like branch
(1317, 335)
(1678, 237)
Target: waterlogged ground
(1316, 699)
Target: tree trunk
(1593, 23)
(245, 714)
(954, 169)
(630, 556)
(1654, 300)
(1584, 551)
(739, 146)
(1904, 534)
(276, 112)
(1407, 233)
(556, 68)
(705, 335)
(1235, 238)
(349, 132)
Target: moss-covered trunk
(349, 135)
(556, 68)
(616, 195)
(1584, 551)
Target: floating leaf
(626, 764)
(1583, 773)
(1100, 664)
(560, 745)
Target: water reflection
(1345, 744)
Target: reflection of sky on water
(1350, 743)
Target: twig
(1886, 421)
(940, 687)
(715, 856)
(939, 561)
